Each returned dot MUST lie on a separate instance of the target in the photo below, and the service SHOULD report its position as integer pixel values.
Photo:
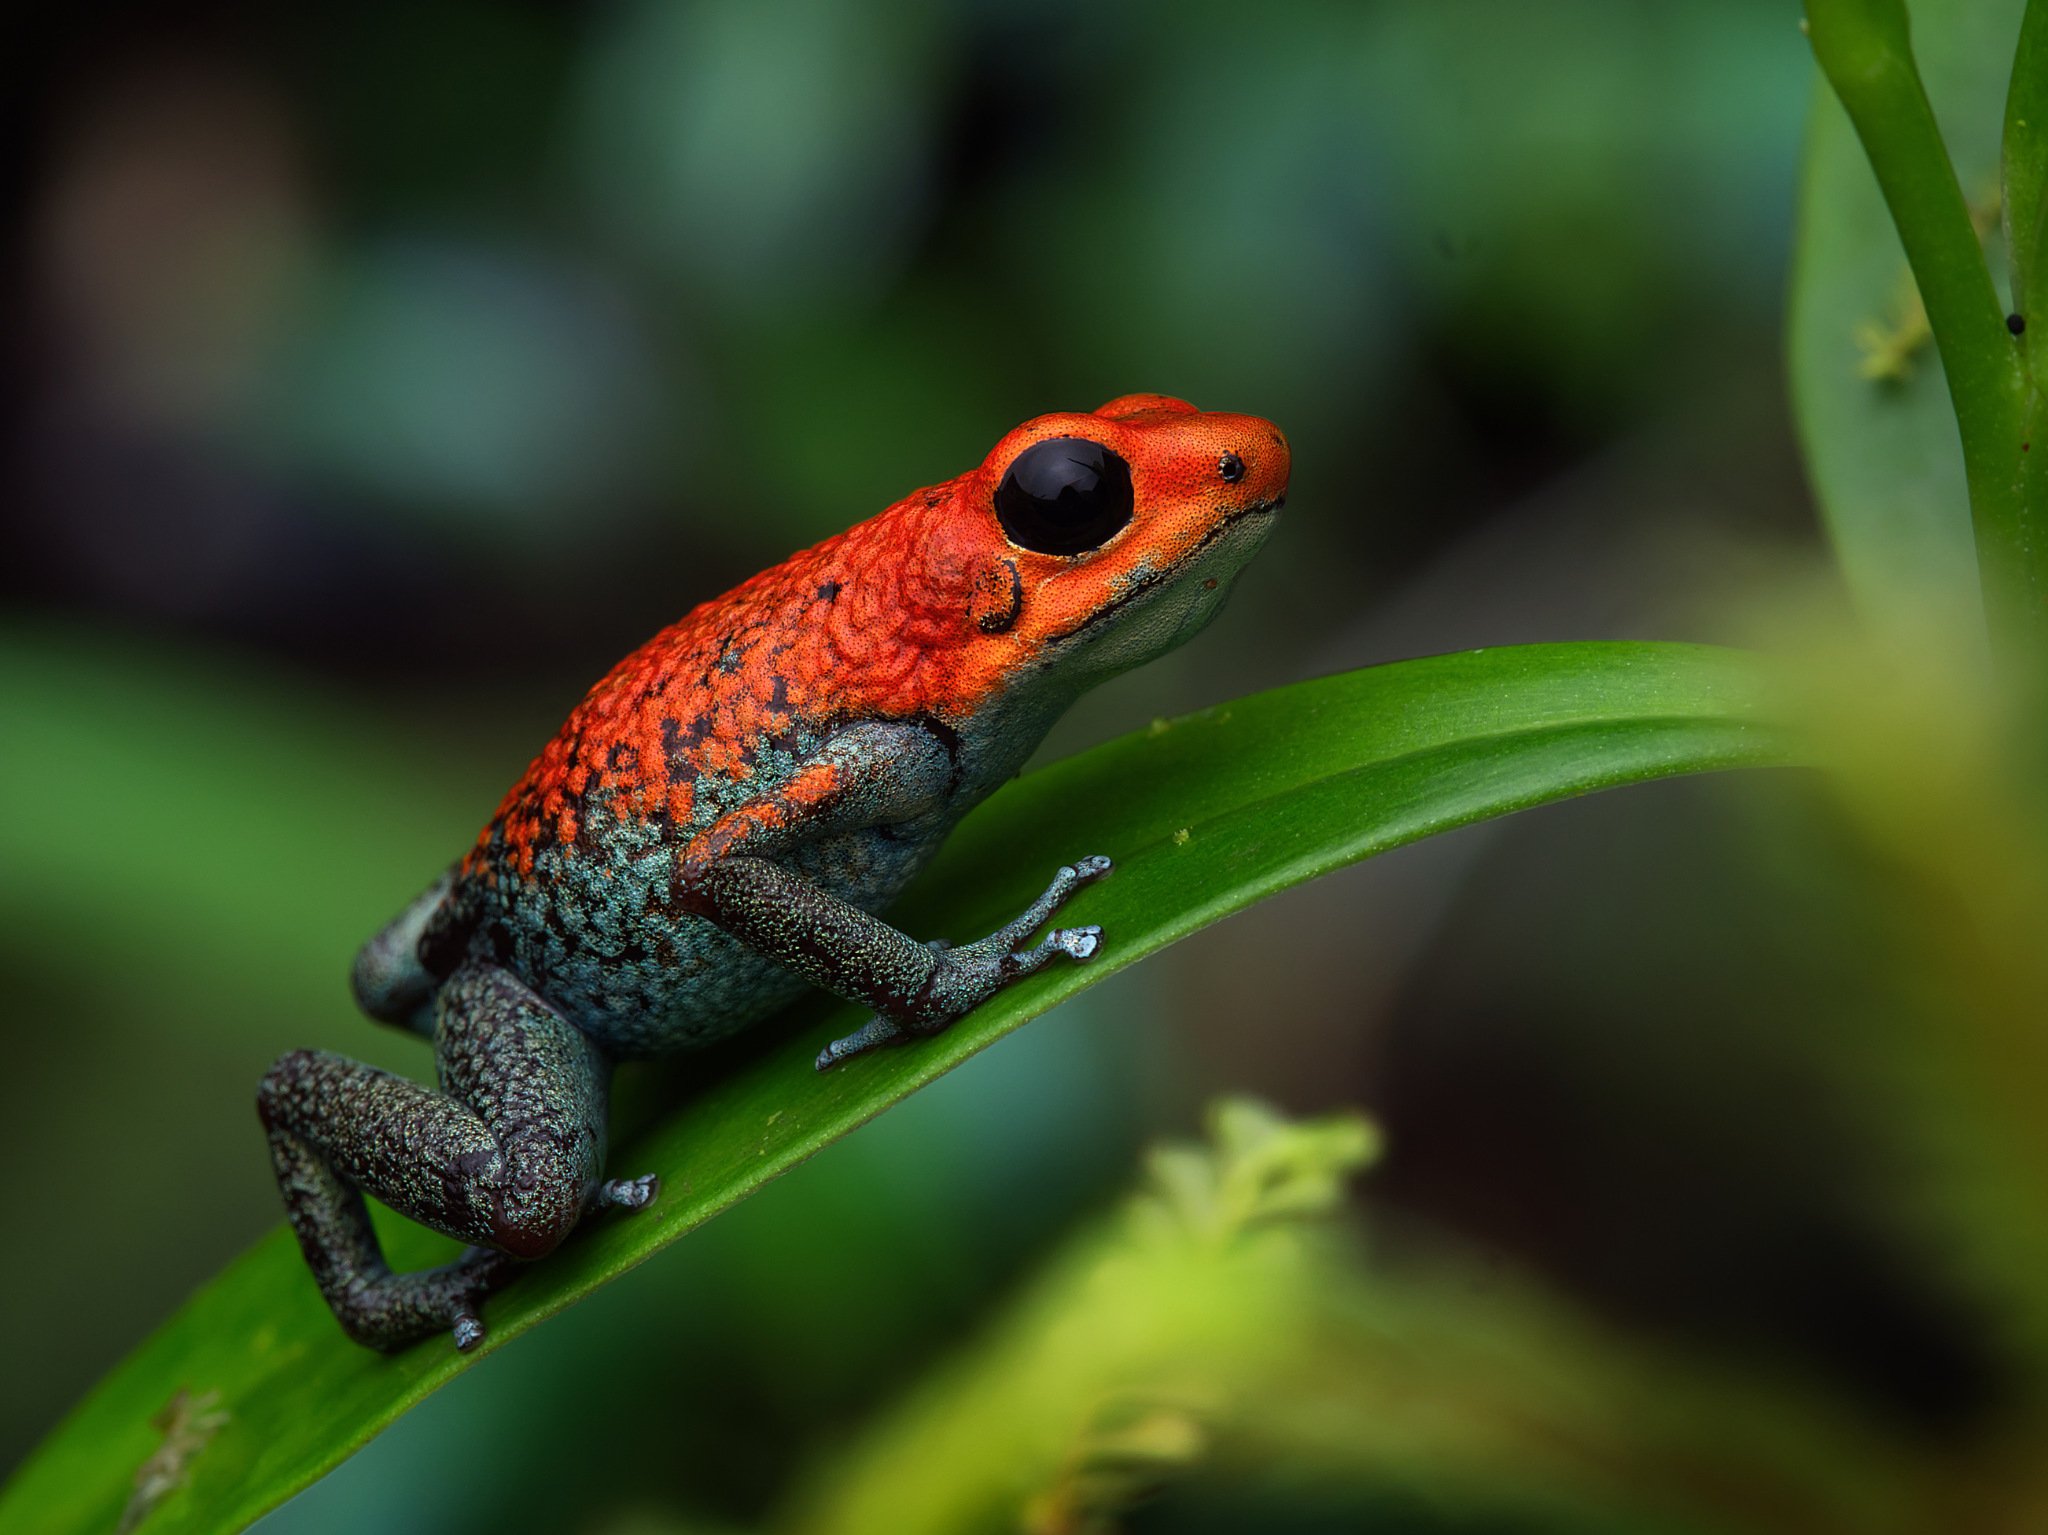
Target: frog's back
(569, 885)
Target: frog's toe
(467, 1281)
(629, 1193)
(875, 1032)
(1092, 867)
(1077, 943)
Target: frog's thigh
(506, 1156)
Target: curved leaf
(1205, 815)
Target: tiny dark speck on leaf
(2016, 323)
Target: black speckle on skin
(785, 743)
(624, 757)
(445, 942)
(941, 732)
(730, 655)
(778, 696)
(998, 598)
(829, 591)
(679, 743)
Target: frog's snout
(1260, 469)
(1256, 467)
(1280, 464)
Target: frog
(721, 824)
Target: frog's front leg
(977, 970)
(507, 1156)
(865, 776)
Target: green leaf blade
(1205, 815)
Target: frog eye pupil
(1231, 467)
(1063, 496)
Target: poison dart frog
(720, 821)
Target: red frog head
(1084, 544)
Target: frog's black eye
(1063, 496)
(1231, 467)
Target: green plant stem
(2025, 211)
(1865, 50)
(2024, 208)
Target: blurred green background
(379, 374)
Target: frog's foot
(873, 1034)
(971, 974)
(1004, 940)
(475, 1275)
(627, 1193)
(392, 1310)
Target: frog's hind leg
(507, 1156)
(388, 979)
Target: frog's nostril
(1231, 467)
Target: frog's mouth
(1227, 525)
